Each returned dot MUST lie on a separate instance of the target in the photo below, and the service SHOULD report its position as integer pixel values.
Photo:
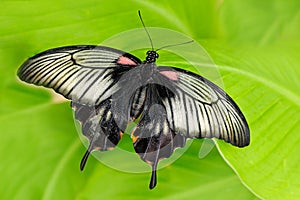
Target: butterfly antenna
(172, 45)
(139, 12)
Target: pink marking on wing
(125, 61)
(170, 74)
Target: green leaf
(40, 149)
(44, 151)
(255, 45)
(260, 22)
(266, 87)
(260, 69)
(41, 155)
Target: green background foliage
(255, 45)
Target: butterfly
(109, 88)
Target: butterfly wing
(201, 109)
(99, 126)
(153, 139)
(87, 75)
(84, 74)
(178, 105)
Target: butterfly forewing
(83, 74)
(200, 109)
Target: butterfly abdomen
(138, 102)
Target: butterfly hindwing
(153, 139)
(99, 127)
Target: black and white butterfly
(109, 88)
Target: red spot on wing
(170, 75)
(123, 60)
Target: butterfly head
(151, 56)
